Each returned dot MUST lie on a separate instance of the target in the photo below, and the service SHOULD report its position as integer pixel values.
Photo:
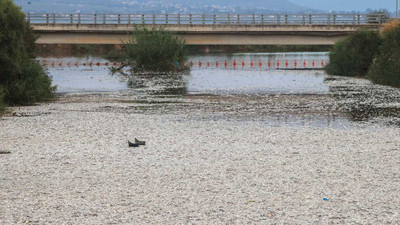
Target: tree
(22, 79)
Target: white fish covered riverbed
(325, 152)
(70, 164)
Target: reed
(390, 26)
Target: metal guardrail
(207, 19)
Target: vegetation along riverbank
(369, 54)
(22, 80)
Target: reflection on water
(265, 56)
(223, 82)
(70, 78)
(256, 82)
(79, 79)
(271, 97)
(158, 85)
(261, 61)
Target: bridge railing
(207, 19)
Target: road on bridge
(204, 29)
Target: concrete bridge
(203, 29)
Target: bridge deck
(215, 31)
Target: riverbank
(70, 163)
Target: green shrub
(341, 60)
(386, 67)
(353, 55)
(33, 85)
(155, 50)
(23, 80)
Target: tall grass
(390, 26)
(154, 50)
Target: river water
(282, 89)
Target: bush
(341, 60)
(23, 80)
(386, 67)
(353, 55)
(33, 85)
(155, 50)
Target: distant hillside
(347, 5)
(159, 6)
(281, 5)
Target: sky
(324, 5)
(347, 5)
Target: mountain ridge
(202, 6)
(159, 6)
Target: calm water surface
(205, 79)
(242, 87)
